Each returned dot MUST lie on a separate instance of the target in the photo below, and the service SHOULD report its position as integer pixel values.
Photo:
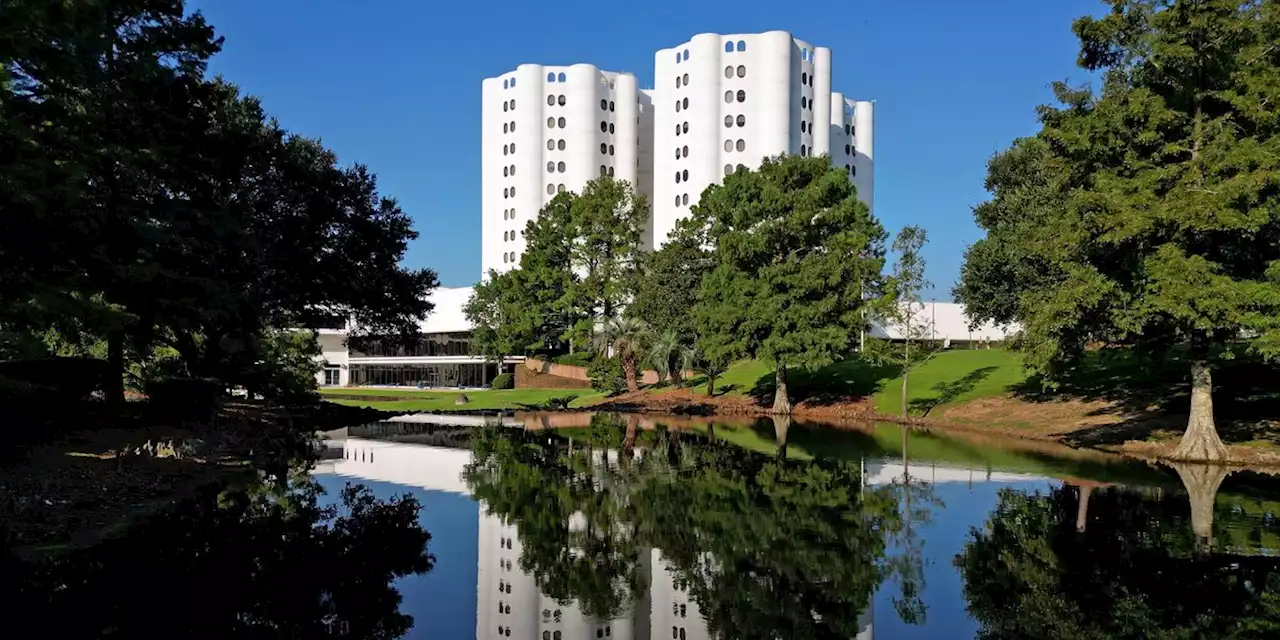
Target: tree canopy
(146, 204)
(1145, 213)
(795, 252)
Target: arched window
(551, 145)
(560, 167)
(685, 150)
(610, 127)
(602, 170)
(504, 84)
(677, 153)
(560, 78)
(677, 106)
(728, 71)
(551, 167)
(504, 106)
(803, 102)
(685, 127)
(504, 149)
(560, 145)
(551, 101)
(559, 188)
(513, 104)
(551, 77)
(802, 126)
(677, 129)
(513, 192)
(677, 82)
(684, 175)
(686, 79)
(677, 57)
(728, 96)
(802, 149)
(685, 102)
(604, 126)
(513, 170)
(504, 127)
(603, 148)
(804, 78)
(604, 104)
(846, 149)
(551, 189)
(513, 147)
(610, 149)
(504, 193)
(560, 100)
(728, 47)
(728, 169)
(684, 199)
(513, 127)
(853, 171)
(686, 54)
(677, 177)
(742, 46)
(551, 123)
(560, 122)
(611, 106)
(513, 82)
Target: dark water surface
(559, 527)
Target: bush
(184, 399)
(579, 359)
(606, 375)
(503, 381)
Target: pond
(568, 526)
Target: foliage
(501, 325)
(286, 565)
(664, 298)
(184, 399)
(503, 381)
(68, 379)
(1147, 206)
(1133, 572)
(145, 205)
(629, 341)
(795, 253)
(606, 375)
(578, 359)
(608, 219)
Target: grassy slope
(445, 400)
(950, 378)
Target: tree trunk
(1082, 509)
(1200, 443)
(711, 384)
(781, 425)
(629, 369)
(904, 393)
(781, 401)
(629, 440)
(113, 385)
(711, 432)
(677, 380)
(1202, 482)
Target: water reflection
(267, 559)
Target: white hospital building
(719, 103)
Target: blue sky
(395, 84)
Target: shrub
(184, 399)
(503, 381)
(579, 359)
(606, 375)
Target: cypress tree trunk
(781, 401)
(781, 424)
(1082, 508)
(1200, 442)
(711, 384)
(1202, 482)
(904, 393)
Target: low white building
(440, 357)
(945, 321)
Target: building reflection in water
(509, 603)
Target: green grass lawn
(445, 400)
(950, 378)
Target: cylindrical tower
(625, 109)
(864, 160)
(821, 105)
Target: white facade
(724, 102)
(945, 321)
(548, 129)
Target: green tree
(665, 290)
(545, 287)
(901, 309)
(608, 220)
(502, 326)
(1165, 232)
(795, 250)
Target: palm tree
(628, 339)
(664, 348)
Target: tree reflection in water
(260, 561)
(768, 547)
(1120, 563)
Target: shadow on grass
(948, 390)
(847, 381)
(1153, 394)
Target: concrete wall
(571, 372)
